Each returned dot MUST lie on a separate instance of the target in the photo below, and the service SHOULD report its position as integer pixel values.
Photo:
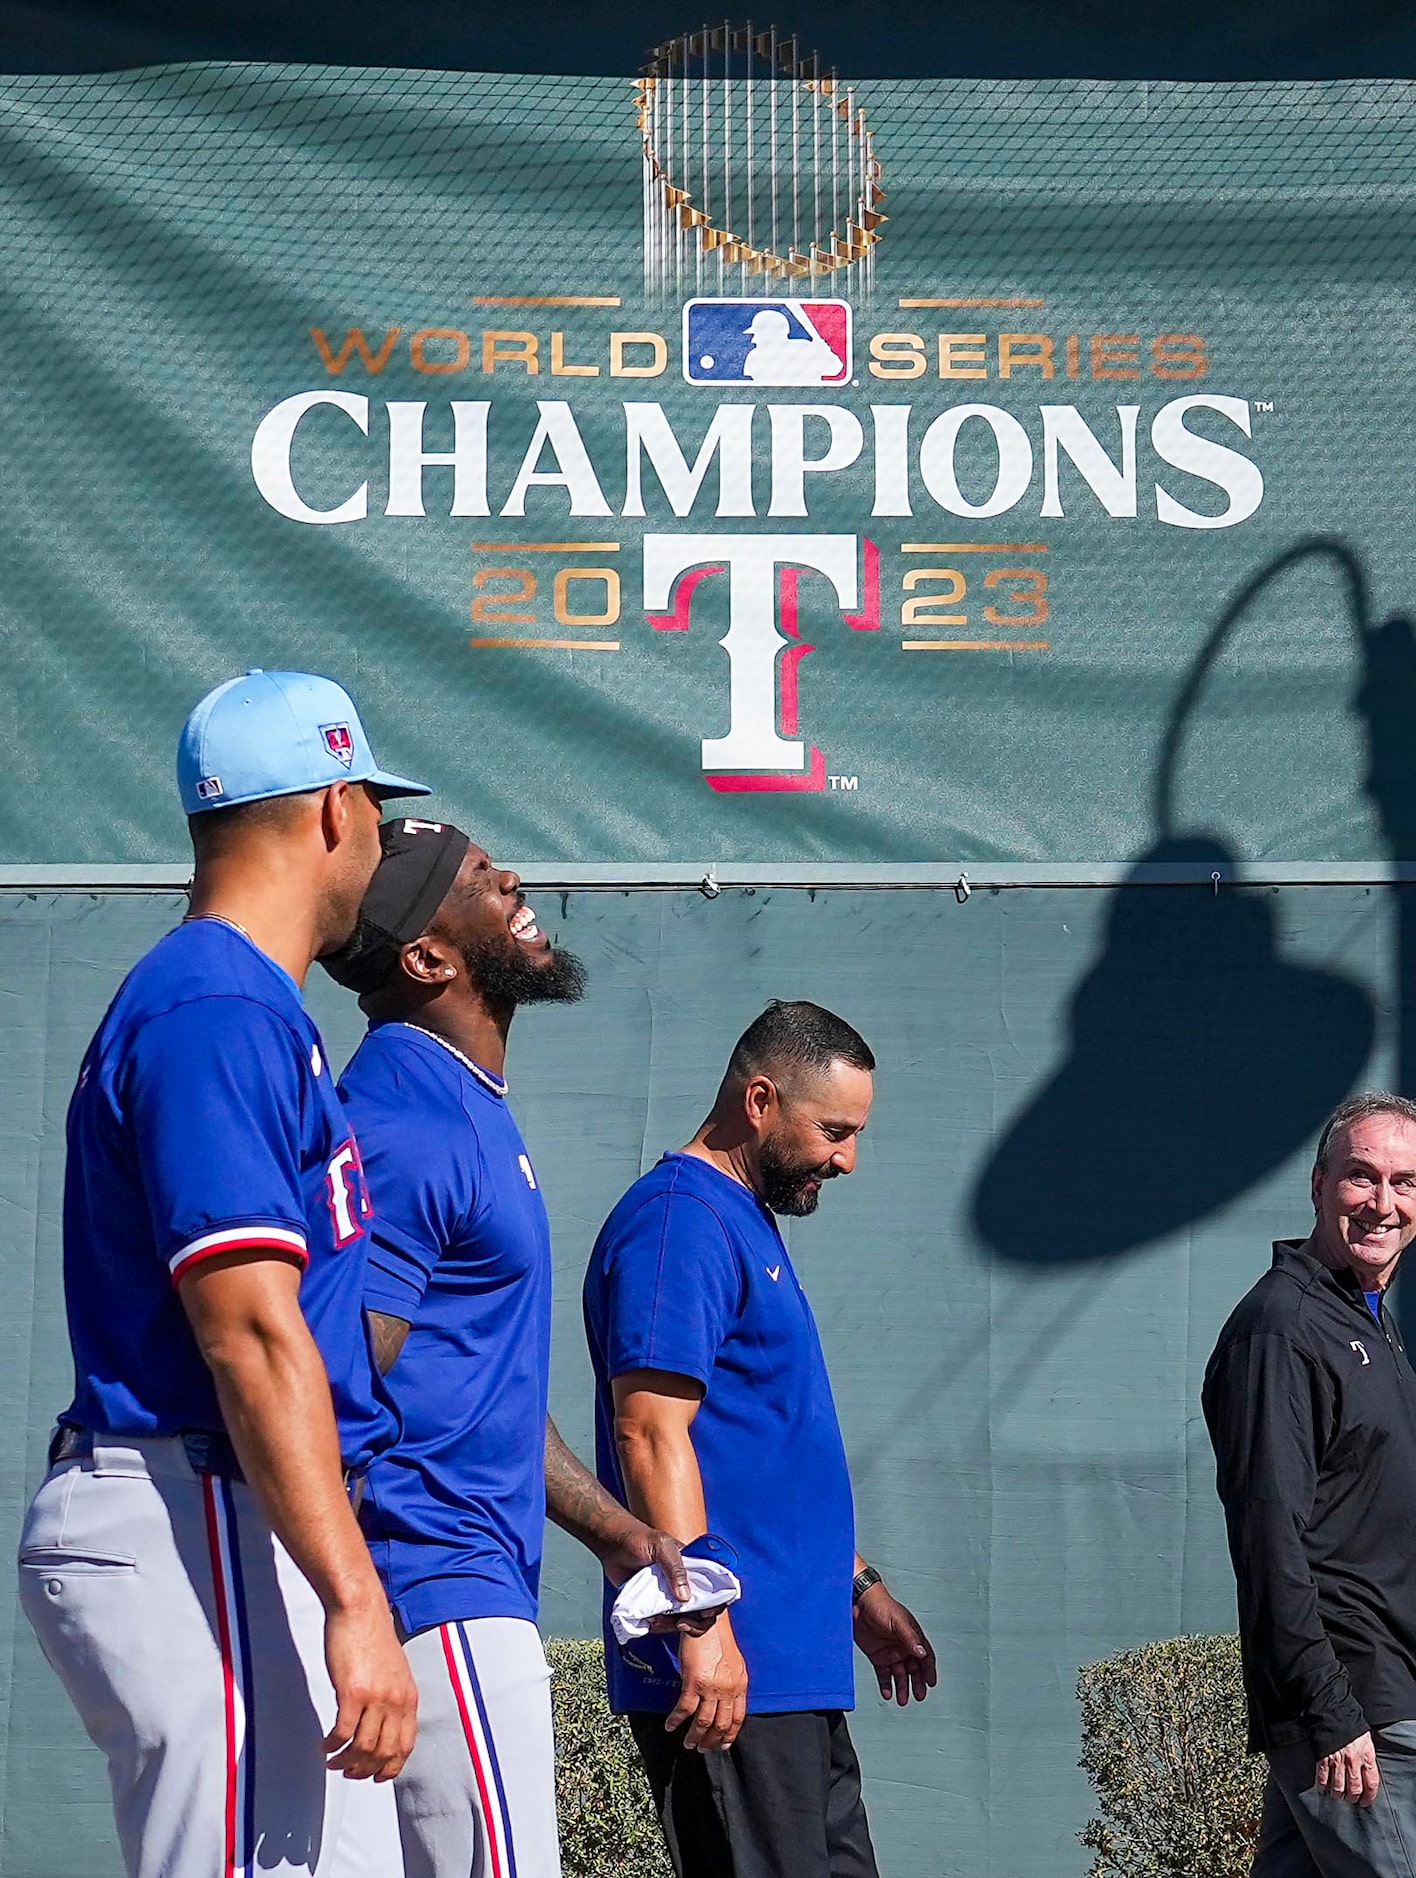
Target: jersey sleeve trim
(390, 1292)
(237, 1239)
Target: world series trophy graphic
(759, 167)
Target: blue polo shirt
(461, 1249)
(205, 1121)
(689, 1274)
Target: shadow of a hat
(1200, 1061)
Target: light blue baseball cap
(276, 734)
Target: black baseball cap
(420, 862)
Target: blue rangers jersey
(455, 1514)
(204, 1121)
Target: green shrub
(607, 1821)
(1163, 1742)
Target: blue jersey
(689, 1274)
(455, 1515)
(205, 1120)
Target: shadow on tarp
(1200, 1058)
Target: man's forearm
(1262, 1402)
(577, 1502)
(1283, 1629)
(662, 1481)
(275, 1401)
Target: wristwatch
(863, 1581)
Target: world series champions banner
(734, 463)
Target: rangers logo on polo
(339, 742)
(766, 342)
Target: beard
(786, 1185)
(505, 974)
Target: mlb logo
(208, 788)
(767, 342)
(339, 742)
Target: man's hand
(713, 1699)
(377, 1698)
(630, 1545)
(899, 1651)
(1351, 1773)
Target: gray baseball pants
(1307, 1834)
(477, 1798)
(193, 1650)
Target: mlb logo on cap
(767, 342)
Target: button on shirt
(455, 1515)
(1311, 1408)
(204, 1121)
(689, 1274)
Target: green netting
(175, 238)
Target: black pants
(783, 1801)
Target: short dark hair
(796, 1035)
(1361, 1108)
(213, 830)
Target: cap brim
(390, 785)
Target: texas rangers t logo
(338, 742)
(346, 1195)
(767, 342)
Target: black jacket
(1311, 1407)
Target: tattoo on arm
(388, 1334)
(576, 1501)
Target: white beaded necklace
(497, 1084)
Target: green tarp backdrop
(1060, 520)
(1015, 1326)
(1116, 349)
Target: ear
(1317, 1186)
(760, 1100)
(336, 815)
(429, 962)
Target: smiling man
(1311, 1407)
(714, 1410)
(459, 1297)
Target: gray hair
(1359, 1108)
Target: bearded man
(458, 1294)
(714, 1410)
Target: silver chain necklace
(190, 919)
(497, 1084)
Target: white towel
(647, 1595)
